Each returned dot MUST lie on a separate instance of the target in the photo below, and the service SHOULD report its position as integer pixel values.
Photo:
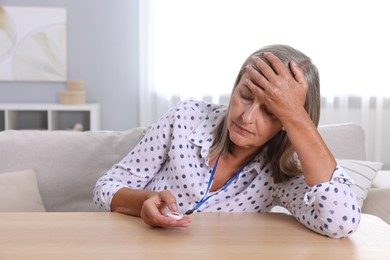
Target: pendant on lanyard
(205, 197)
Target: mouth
(242, 130)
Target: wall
(102, 51)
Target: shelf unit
(48, 116)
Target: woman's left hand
(282, 90)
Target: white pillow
(19, 192)
(362, 173)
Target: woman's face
(249, 121)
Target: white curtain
(194, 49)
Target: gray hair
(279, 153)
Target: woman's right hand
(151, 206)
(156, 207)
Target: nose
(250, 114)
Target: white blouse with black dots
(174, 155)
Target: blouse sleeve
(329, 208)
(139, 165)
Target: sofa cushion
(345, 141)
(19, 192)
(68, 163)
(362, 173)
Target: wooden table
(210, 236)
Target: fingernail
(173, 207)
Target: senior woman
(260, 151)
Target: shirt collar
(255, 164)
(202, 135)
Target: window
(199, 45)
(194, 48)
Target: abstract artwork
(33, 44)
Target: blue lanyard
(205, 197)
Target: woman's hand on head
(156, 207)
(282, 89)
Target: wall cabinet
(49, 116)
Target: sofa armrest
(382, 180)
(376, 202)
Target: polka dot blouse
(174, 155)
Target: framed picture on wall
(33, 45)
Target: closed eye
(268, 112)
(246, 94)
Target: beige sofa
(57, 170)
